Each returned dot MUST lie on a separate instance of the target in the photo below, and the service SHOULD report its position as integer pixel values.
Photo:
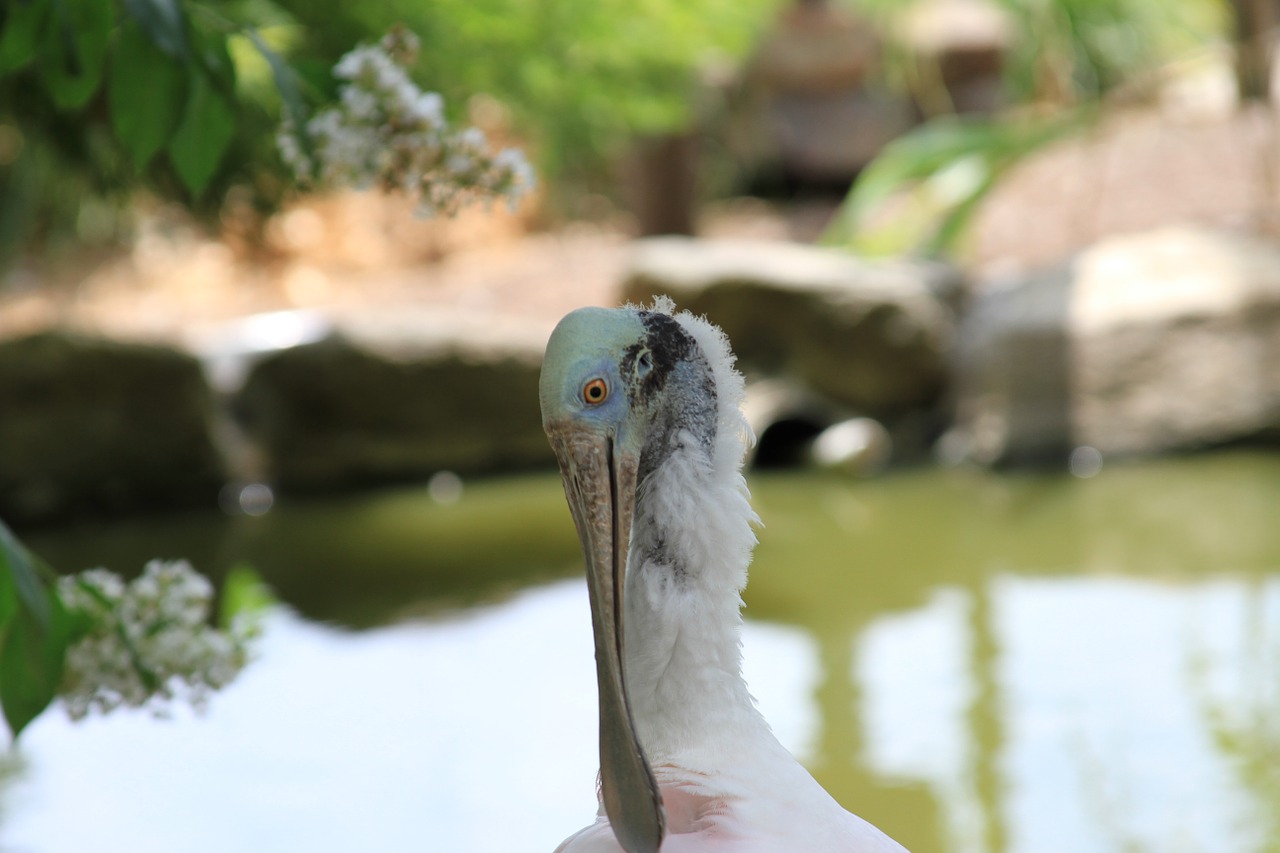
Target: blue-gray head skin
(621, 390)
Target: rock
(389, 398)
(785, 417)
(870, 337)
(859, 447)
(1142, 344)
(89, 425)
(795, 427)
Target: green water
(986, 662)
(831, 549)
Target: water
(974, 662)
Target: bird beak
(600, 484)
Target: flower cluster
(385, 132)
(147, 641)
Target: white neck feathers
(690, 547)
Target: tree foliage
(101, 97)
(183, 97)
(580, 76)
(165, 81)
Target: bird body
(749, 804)
(653, 473)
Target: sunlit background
(1018, 581)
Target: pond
(972, 661)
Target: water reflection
(1098, 695)
(405, 738)
(401, 738)
(974, 662)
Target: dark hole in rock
(785, 442)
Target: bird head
(621, 390)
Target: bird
(642, 408)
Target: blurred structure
(662, 182)
(957, 54)
(816, 110)
(822, 93)
(1256, 22)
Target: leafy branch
(97, 642)
(170, 84)
(171, 90)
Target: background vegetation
(1067, 61)
(98, 99)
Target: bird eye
(595, 392)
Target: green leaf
(214, 55)
(145, 93)
(206, 130)
(243, 593)
(286, 82)
(31, 662)
(8, 591)
(948, 166)
(164, 24)
(22, 570)
(34, 632)
(74, 50)
(24, 24)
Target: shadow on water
(995, 655)
(355, 561)
(831, 551)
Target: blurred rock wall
(1155, 342)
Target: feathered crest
(733, 433)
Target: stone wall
(93, 425)
(1156, 342)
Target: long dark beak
(600, 484)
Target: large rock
(868, 336)
(390, 398)
(90, 425)
(1147, 343)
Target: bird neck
(691, 542)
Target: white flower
(512, 162)
(360, 103)
(459, 162)
(149, 641)
(388, 76)
(473, 137)
(385, 131)
(354, 62)
(291, 151)
(428, 108)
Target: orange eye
(595, 392)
